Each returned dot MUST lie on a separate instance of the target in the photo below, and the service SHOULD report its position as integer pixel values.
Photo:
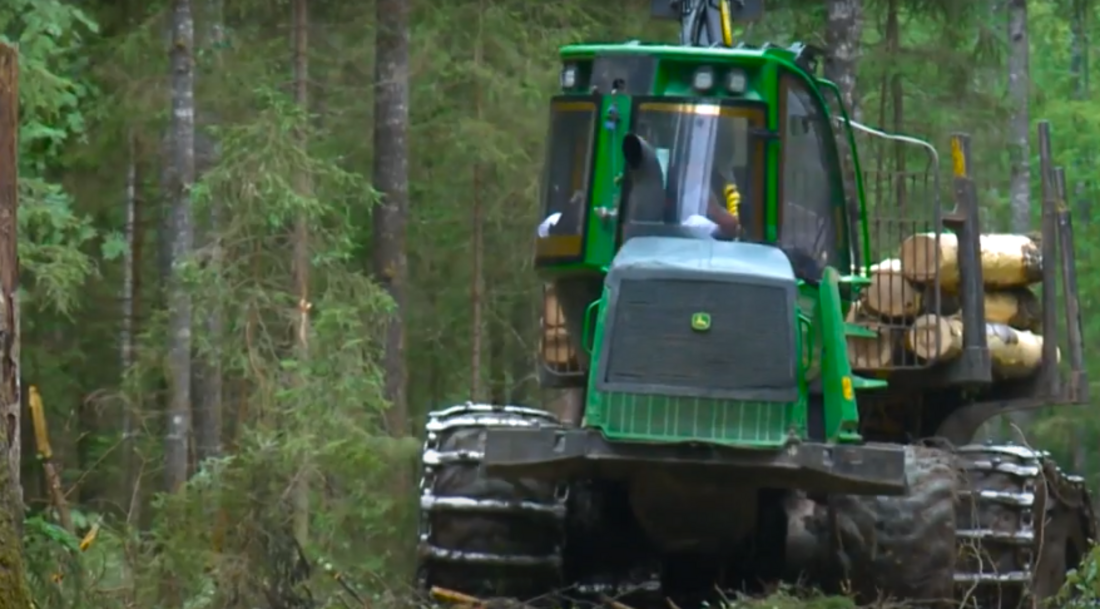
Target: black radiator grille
(749, 344)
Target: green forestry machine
(783, 355)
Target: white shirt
(703, 226)
(550, 221)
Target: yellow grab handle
(733, 198)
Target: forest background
(260, 240)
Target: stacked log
(555, 346)
(912, 320)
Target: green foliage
(480, 75)
(1082, 587)
(50, 36)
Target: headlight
(704, 79)
(736, 81)
(569, 77)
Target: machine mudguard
(556, 453)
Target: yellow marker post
(38, 421)
(958, 157)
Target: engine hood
(665, 256)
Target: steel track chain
(435, 457)
(999, 532)
(998, 537)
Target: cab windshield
(709, 161)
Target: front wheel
(481, 535)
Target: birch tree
(208, 374)
(391, 180)
(1019, 124)
(179, 300)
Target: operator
(571, 216)
(722, 221)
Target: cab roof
(635, 47)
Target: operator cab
(685, 149)
(694, 169)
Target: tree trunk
(498, 365)
(1019, 127)
(477, 280)
(13, 578)
(843, 28)
(897, 101)
(1079, 65)
(209, 377)
(179, 300)
(391, 180)
(131, 290)
(521, 355)
(301, 250)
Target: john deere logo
(700, 322)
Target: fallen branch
(455, 597)
(45, 454)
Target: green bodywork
(824, 377)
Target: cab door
(811, 206)
(567, 181)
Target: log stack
(554, 344)
(913, 325)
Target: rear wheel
(896, 546)
(481, 535)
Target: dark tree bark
(1079, 66)
(301, 245)
(521, 356)
(208, 376)
(477, 275)
(131, 308)
(843, 28)
(391, 180)
(13, 577)
(179, 300)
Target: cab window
(568, 169)
(809, 230)
(706, 152)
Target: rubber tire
(481, 532)
(900, 547)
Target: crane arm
(707, 23)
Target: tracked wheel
(480, 535)
(900, 546)
(1022, 524)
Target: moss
(14, 593)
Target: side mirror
(647, 183)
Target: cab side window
(808, 230)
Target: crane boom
(707, 23)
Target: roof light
(704, 79)
(736, 81)
(569, 76)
